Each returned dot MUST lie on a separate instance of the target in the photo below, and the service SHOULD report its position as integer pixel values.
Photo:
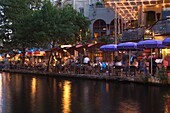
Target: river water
(40, 94)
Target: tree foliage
(35, 23)
(61, 25)
(17, 23)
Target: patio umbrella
(166, 42)
(109, 47)
(150, 44)
(127, 46)
(29, 52)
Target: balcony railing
(98, 6)
(161, 27)
(132, 34)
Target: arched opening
(119, 27)
(112, 28)
(99, 28)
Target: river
(21, 93)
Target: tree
(32, 23)
(17, 23)
(60, 25)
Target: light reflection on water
(66, 99)
(33, 93)
(129, 107)
(38, 94)
(1, 94)
(167, 103)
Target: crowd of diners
(120, 66)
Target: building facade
(101, 16)
(128, 18)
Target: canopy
(81, 48)
(35, 52)
(93, 47)
(166, 42)
(109, 47)
(39, 53)
(71, 49)
(150, 44)
(29, 52)
(127, 46)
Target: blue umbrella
(109, 47)
(150, 44)
(127, 46)
(166, 42)
(30, 50)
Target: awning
(29, 53)
(39, 53)
(92, 47)
(81, 48)
(71, 49)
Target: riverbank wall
(104, 77)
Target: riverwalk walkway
(131, 79)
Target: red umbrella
(39, 53)
(29, 53)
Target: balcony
(161, 27)
(101, 12)
(132, 35)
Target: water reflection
(33, 86)
(167, 104)
(129, 107)
(38, 94)
(1, 97)
(33, 93)
(107, 87)
(66, 99)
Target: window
(81, 10)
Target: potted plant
(144, 78)
(98, 3)
(163, 76)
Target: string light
(126, 12)
(122, 12)
(129, 11)
(131, 8)
(123, 15)
(128, 8)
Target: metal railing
(98, 6)
(133, 34)
(161, 27)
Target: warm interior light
(147, 31)
(149, 2)
(95, 35)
